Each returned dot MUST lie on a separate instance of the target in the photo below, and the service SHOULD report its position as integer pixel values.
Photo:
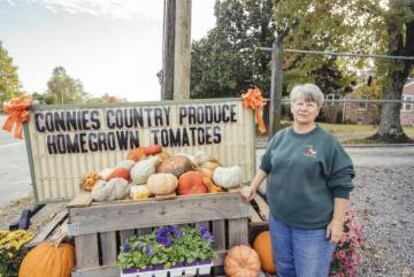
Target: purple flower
(149, 251)
(127, 247)
(167, 241)
(203, 229)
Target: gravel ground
(383, 201)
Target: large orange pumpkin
(263, 247)
(49, 260)
(242, 261)
(191, 182)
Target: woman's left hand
(335, 230)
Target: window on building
(408, 106)
(363, 105)
(330, 99)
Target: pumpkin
(49, 260)
(228, 177)
(191, 182)
(126, 164)
(242, 261)
(263, 247)
(201, 157)
(136, 154)
(162, 183)
(119, 173)
(115, 189)
(143, 169)
(90, 180)
(211, 187)
(175, 165)
(140, 192)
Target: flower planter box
(99, 229)
(200, 268)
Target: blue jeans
(300, 252)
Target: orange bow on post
(253, 99)
(17, 114)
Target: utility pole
(168, 49)
(182, 54)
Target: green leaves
(145, 251)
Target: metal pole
(341, 54)
(276, 88)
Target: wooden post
(167, 86)
(276, 88)
(182, 56)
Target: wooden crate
(101, 228)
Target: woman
(310, 178)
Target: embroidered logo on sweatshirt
(309, 151)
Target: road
(15, 175)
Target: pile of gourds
(152, 171)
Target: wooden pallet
(100, 229)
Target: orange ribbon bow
(18, 114)
(253, 99)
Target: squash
(175, 165)
(228, 177)
(49, 260)
(242, 261)
(163, 156)
(162, 183)
(212, 188)
(140, 192)
(143, 169)
(119, 173)
(89, 181)
(136, 154)
(153, 150)
(191, 182)
(208, 168)
(263, 246)
(140, 153)
(115, 189)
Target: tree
(9, 80)
(63, 89)
(226, 62)
(398, 21)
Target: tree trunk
(390, 129)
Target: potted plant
(168, 249)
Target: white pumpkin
(115, 189)
(139, 192)
(127, 164)
(228, 177)
(104, 174)
(143, 169)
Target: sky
(111, 46)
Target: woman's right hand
(248, 193)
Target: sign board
(65, 142)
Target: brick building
(364, 113)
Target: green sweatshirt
(305, 173)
